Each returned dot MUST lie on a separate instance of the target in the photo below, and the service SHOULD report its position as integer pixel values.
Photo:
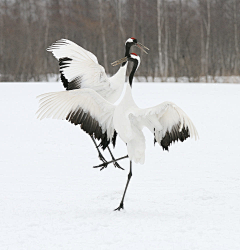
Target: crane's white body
(129, 130)
(85, 72)
(126, 117)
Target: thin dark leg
(105, 164)
(99, 153)
(115, 163)
(129, 177)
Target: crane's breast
(122, 123)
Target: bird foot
(116, 165)
(105, 165)
(102, 166)
(120, 207)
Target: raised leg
(115, 163)
(100, 156)
(105, 164)
(128, 180)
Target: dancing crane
(166, 121)
(79, 69)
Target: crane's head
(133, 42)
(131, 57)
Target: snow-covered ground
(187, 198)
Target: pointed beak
(119, 61)
(142, 47)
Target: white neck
(126, 96)
(119, 77)
(117, 83)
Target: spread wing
(167, 122)
(79, 68)
(81, 107)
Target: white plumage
(166, 121)
(80, 68)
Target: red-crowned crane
(166, 121)
(79, 69)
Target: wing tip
(58, 44)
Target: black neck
(127, 51)
(135, 64)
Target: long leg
(105, 164)
(128, 180)
(115, 163)
(99, 153)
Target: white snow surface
(187, 198)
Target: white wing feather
(164, 118)
(66, 48)
(82, 67)
(59, 105)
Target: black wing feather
(74, 84)
(90, 126)
(173, 135)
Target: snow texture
(187, 198)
